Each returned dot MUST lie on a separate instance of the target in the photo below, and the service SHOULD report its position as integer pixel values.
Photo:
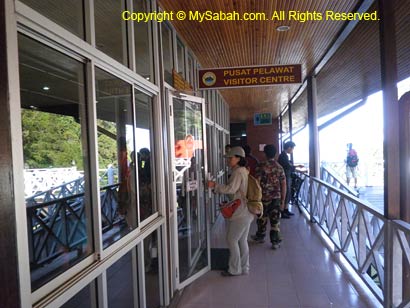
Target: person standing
(288, 167)
(273, 182)
(251, 160)
(352, 161)
(238, 225)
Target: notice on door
(192, 185)
(249, 76)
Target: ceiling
(246, 43)
(351, 74)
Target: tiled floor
(301, 273)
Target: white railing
(40, 180)
(330, 176)
(359, 233)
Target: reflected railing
(359, 233)
(57, 220)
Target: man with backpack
(273, 183)
(352, 161)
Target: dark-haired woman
(238, 225)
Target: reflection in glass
(189, 170)
(181, 58)
(191, 70)
(110, 29)
(151, 271)
(67, 13)
(53, 113)
(143, 42)
(166, 36)
(116, 156)
(83, 299)
(145, 152)
(121, 277)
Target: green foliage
(51, 140)
(107, 147)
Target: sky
(363, 128)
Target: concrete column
(314, 163)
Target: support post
(404, 111)
(280, 134)
(313, 130)
(290, 121)
(290, 126)
(391, 145)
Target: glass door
(191, 233)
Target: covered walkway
(301, 273)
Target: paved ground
(301, 273)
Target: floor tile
(301, 273)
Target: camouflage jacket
(270, 174)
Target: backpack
(352, 159)
(254, 196)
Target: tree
(51, 140)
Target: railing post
(30, 236)
(311, 199)
(343, 224)
(393, 268)
(361, 238)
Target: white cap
(236, 151)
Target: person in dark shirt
(288, 167)
(251, 160)
(273, 183)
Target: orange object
(228, 208)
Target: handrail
(327, 174)
(59, 226)
(370, 243)
(352, 198)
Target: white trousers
(237, 239)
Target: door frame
(178, 285)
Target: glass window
(67, 13)
(53, 113)
(151, 264)
(181, 58)
(116, 156)
(121, 282)
(144, 145)
(110, 29)
(166, 35)
(83, 299)
(143, 42)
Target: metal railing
(377, 248)
(57, 222)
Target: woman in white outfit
(238, 225)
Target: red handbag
(228, 208)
